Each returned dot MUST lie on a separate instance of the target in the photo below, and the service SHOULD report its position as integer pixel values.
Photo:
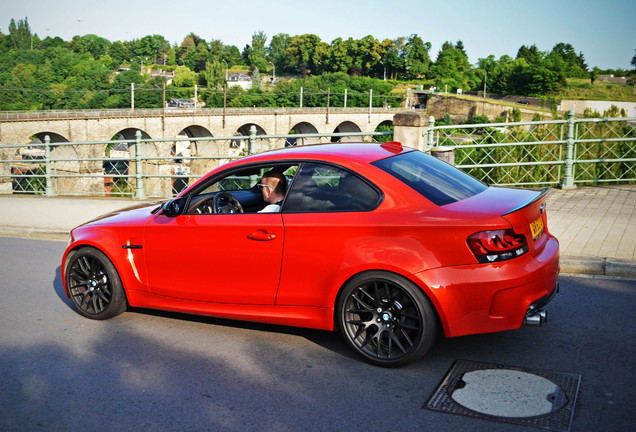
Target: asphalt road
(153, 371)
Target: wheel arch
(87, 244)
(422, 287)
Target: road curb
(598, 267)
(34, 233)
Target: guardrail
(138, 168)
(539, 153)
(549, 153)
(8, 116)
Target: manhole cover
(508, 394)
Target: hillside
(584, 89)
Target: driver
(273, 186)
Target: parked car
(384, 243)
(180, 103)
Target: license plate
(537, 228)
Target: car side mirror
(173, 207)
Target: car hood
(137, 214)
(495, 201)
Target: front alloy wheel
(386, 319)
(93, 284)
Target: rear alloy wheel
(94, 285)
(386, 318)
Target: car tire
(93, 284)
(386, 318)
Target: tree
(564, 59)
(256, 79)
(93, 44)
(152, 46)
(184, 77)
(118, 53)
(20, 34)
(339, 58)
(531, 54)
(632, 76)
(452, 68)
(200, 56)
(258, 52)
(416, 54)
(277, 51)
(214, 73)
(395, 58)
(185, 54)
(301, 53)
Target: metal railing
(552, 153)
(138, 168)
(547, 153)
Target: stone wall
(461, 109)
(579, 106)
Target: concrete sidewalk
(596, 225)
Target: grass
(584, 89)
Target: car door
(329, 228)
(225, 258)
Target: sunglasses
(261, 186)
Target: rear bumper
(485, 298)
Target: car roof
(361, 152)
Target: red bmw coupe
(386, 244)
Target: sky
(603, 31)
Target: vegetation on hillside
(92, 72)
(586, 89)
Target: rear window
(438, 181)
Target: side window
(238, 186)
(326, 188)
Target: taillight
(497, 245)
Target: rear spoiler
(543, 193)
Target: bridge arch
(344, 127)
(244, 130)
(64, 161)
(183, 151)
(385, 126)
(302, 128)
(119, 171)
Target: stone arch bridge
(19, 128)
(80, 141)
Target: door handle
(261, 235)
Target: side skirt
(295, 316)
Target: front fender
(130, 263)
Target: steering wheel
(225, 202)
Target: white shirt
(271, 208)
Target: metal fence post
(251, 140)
(429, 133)
(48, 191)
(568, 176)
(139, 184)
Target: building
(241, 80)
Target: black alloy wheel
(386, 319)
(93, 284)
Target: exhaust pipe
(536, 319)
